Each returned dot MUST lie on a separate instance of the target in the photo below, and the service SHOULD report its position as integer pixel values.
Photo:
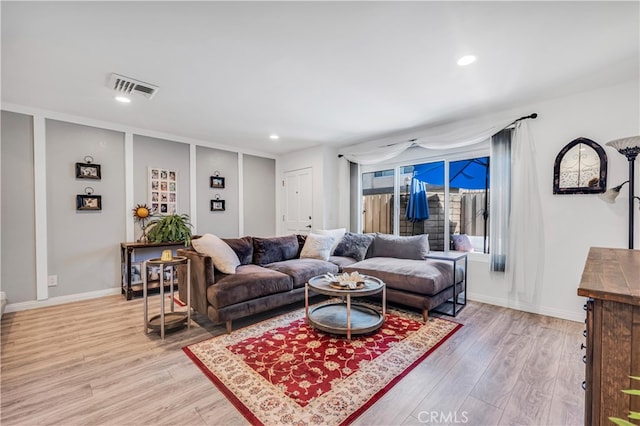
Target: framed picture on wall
(216, 182)
(163, 190)
(88, 202)
(217, 205)
(88, 171)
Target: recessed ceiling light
(274, 137)
(123, 99)
(466, 60)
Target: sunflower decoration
(142, 213)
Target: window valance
(446, 136)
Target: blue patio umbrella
(467, 174)
(418, 205)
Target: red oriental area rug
(282, 371)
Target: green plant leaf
(634, 415)
(635, 377)
(632, 391)
(621, 422)
(170, 228)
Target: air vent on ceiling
(128, 86)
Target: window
(430, 203)
(469, 201)
(377, 201)
(422, 202)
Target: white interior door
(298, 201)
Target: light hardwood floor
(89, 363)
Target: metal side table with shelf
(454, 304)
(172, 319)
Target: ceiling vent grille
(127, 86)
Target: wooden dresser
(611, 282)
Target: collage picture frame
(163, 190)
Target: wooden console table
(127, 251)
(611, 281)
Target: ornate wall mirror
(580, 168)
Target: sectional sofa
(235, 278)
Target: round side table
(171, 319)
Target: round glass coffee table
(344, 317)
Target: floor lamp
(630, 148)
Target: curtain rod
(526, 117)
(531, 116)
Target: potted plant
(633, 415)
(169, 228)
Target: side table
(454, 257)
(172, 319)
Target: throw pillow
(461, 242)
(301, 239)
(413, 247)
(224, 258)
(337, 235)
(243, 247)
(354, 245)
(274, 249)
(317, 247)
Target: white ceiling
(313, 72)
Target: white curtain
(500, 199)
(525, 259)
(447, 136)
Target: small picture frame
(88, 202)
(136, 276)
(153, 274)
(217, 205)
(88, 171)
(216, 182)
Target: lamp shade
(610, 195)
(630, 147)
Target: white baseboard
(557, 313)
(34, 304)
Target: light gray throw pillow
(413, 247)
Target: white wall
(572, 223)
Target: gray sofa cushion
(354, 245)
(243, 248)
(426, 277)
(342, 261)
(249, 282)
(413, 247)
(301, 270)
(274, 249)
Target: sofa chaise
(272, 272)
